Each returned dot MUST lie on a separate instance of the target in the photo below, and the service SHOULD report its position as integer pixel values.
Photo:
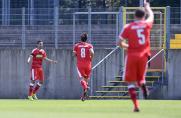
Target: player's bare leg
(36, 89)
(86, 79)
(145, 91)
(87, 87)
(142, 85)
(133, 94)
(31, 86)
(84, 84)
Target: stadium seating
(176, 43)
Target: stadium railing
(22, 27)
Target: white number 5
(141, 36)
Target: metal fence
(175, 20)
(61, 27)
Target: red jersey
(82, 51)
(38, 56)
(138, 35)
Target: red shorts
(84, 71)
(37, 74)
(135, 68)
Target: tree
(115, 3)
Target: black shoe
(86, 94)
(82, 98)
(136, 110)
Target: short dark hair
(140, 13)
(39, 41)
(83, 37)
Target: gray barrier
(60, 79)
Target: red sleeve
(91, 46)
(33, 52)
(75, 49)
(125, 33)
(44, 54)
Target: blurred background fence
(23, 22)
(175, 20)
(61, 27)
(58, 27)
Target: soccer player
(137, 35)
(84, 54)
(36, 58)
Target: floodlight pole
(161, 22)
(121, 25)
(141, 3)
(56, 17)
(73, 29)
(5, 12)
(23, 28)
(180, 12)
(31, 12)
(167, 27)
(89, 24)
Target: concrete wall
(60, 79)
(174, 74)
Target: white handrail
(99, 64)
(116, 49)
(105, 57)
(155, 56)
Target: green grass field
(88, 109)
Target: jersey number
(82, 51)
(141, 36)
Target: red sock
(36, 88)
(30, 90)
(83, 84)
(132, 93)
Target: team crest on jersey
(39, 56)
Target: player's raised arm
(149, 12)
